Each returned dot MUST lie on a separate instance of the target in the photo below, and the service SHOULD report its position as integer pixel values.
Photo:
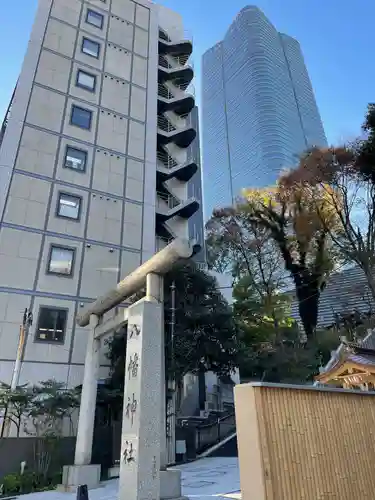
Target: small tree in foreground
(15, 406)
(51, 407)
(40, 411)
(277, 355)
(239, 245)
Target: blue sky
(336, 37)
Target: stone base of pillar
(77, 475)
(170, 485)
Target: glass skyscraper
(258, 108)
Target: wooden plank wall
(296, 443)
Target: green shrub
(11, 483)
(28, 483)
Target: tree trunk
(308, 295)
(370, 281)
(202, 387)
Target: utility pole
(27, 321)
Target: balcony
(163, 35)
(172, 62)
(175, 97)
(165, 124)
(169, 46)
(175, 68)
(166, 160)
(167, 207)
(168, 168)
(175, 90)
(182, 134)
(166, 201)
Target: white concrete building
(94, 168)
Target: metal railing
(166, 159)
(163, 62)
(182, 84)
(203, 266)
(174, 62)
(164, 91)
(166, 199)
(181, 37)
(181, 60)
(165, 124)
(163, 35)
(181, 122)
(209, 434)
(177, 91)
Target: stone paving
(205, 479)
(211, 477)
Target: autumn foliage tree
(289, 215)
(274, 230)
(346, 176)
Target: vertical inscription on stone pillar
(133, 366)
(134, 331)
(128, 454)
(141, 422)
(131, 396)
(131, 409)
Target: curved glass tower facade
(258, 108)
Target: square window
(86, 80)
(90, 47)
(75, 159)
(51, 324)
(94, 18)
(61, 260)
(69, 206)
(81, 117)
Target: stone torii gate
(143, 472)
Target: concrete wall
(299, 442)
(13, 451)
(114, 231)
